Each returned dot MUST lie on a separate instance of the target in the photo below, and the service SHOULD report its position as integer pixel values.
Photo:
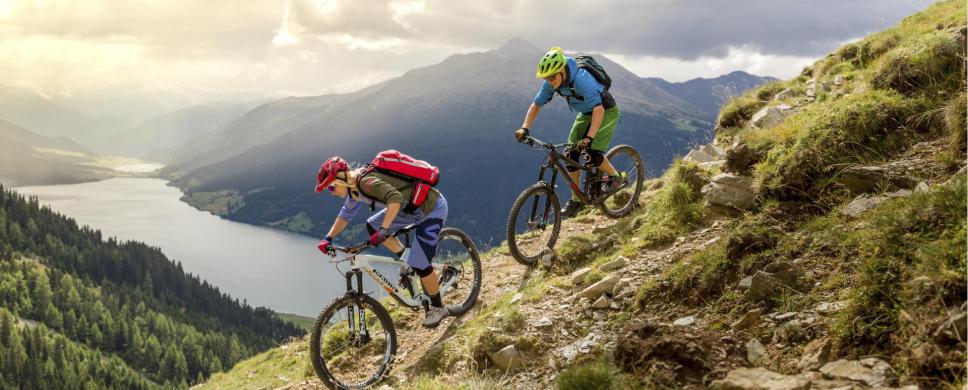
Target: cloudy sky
(309, 47)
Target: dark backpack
(591, 66)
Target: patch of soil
(677, 357)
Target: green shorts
(605, 132)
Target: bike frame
(555, 164)
(365, 264)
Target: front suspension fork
(360, 313)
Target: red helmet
(327, 172)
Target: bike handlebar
(529, 140)
(356, 249)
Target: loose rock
(507, 358)
(730, 190)
(870, 371)
(748, 320)
(763, 286)
(601, 287)
(756, 354)
(759, 379)
(578, 277)
(771, 116)
(543, 322)
(619, 262)
(816, 354)
(786, 93)
(601, 303)
(786, 271)
(685, 321)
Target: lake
(268, 267)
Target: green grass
(822, 139)
(919, 236)
(271, 369)
(676, 208)
(305, 323)
(597, 375)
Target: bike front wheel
(628, 164)
(345, 353)
(458, 266)
(534, 223)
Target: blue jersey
(584, 84)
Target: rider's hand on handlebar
(379, 236)
(326, 246)
(585, 142)
(521, 134)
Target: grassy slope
(876, 114)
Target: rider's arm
(392, 210)
(338, 225)
(532, 113)
(598, 113)
(346, 214)
(543, 97)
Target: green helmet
(552, 62)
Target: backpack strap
(359, 188)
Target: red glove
(325, 245)
(378, 236)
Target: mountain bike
(535, 218)
(353, 342)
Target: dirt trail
(574, 331)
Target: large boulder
(759, 379)
(771, 116)
(730, 190)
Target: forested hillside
(75, 293)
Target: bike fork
(547, 206)
(360, 314)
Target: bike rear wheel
(458, 266)
(345, 357)
(628, 163)
(534, 223)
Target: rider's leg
(604, 137)
(422, 252)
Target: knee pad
(423, 273)
(574, 155)
(596, 158)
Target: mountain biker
(376, 189)
(594, 126)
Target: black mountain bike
(353, 343)
(535, 218)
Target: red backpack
(399, 165)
